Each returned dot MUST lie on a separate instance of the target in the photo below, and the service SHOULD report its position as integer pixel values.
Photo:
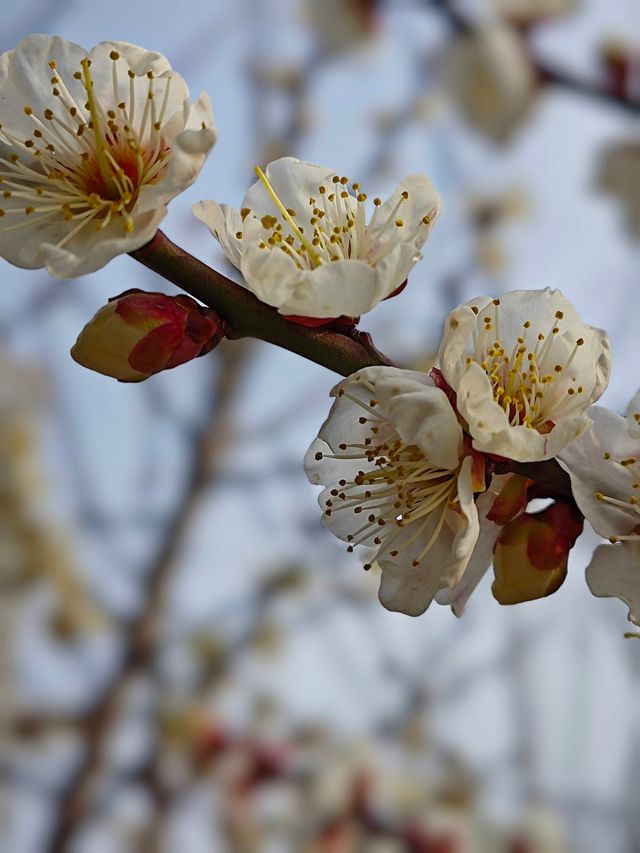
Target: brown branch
(141, 633)
(548, 474)
(248, 317)
(547, 74)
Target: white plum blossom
(490, 78)
(303, 245)
(92, 147)
(525, 368)
(619, 176)
(397, 478)
(604, 467)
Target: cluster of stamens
(631, 503)
(84, 163)
(531, 383)
(338, 228)
(397, 487)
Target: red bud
(138, 334)
(531, 553)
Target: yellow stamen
(315, 257)
(103, 163)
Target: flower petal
(272, 275)
(593, 464)
(344, 287)
(295, 182)
(482, 555)
(614, 571)
(421, 414)
(224, 223)
(422, 200)
(633, 415)
(411, 589)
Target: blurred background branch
(240, 687)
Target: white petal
(139, 59)
(91, 250)
(614, 571)
(421, 414)
(633, 415)
(350, 287)
(591, 473)
(294, 182)
(25, 77)
(482, 556)
(272, 275)
(189, 150)
(393, 269)
(333, 289)
(224, 223)
(457, 340)
(423, 200)
(600, 350)
(411, 589)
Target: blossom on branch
(400, 478)
(138, 334)
(619, 176)
(92, 148)
(303, 245)
(604, 467)
(524, 369)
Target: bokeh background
(188, 660)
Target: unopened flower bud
(531, 553)
(138, 334)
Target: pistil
(111, 186)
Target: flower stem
(248, 317)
